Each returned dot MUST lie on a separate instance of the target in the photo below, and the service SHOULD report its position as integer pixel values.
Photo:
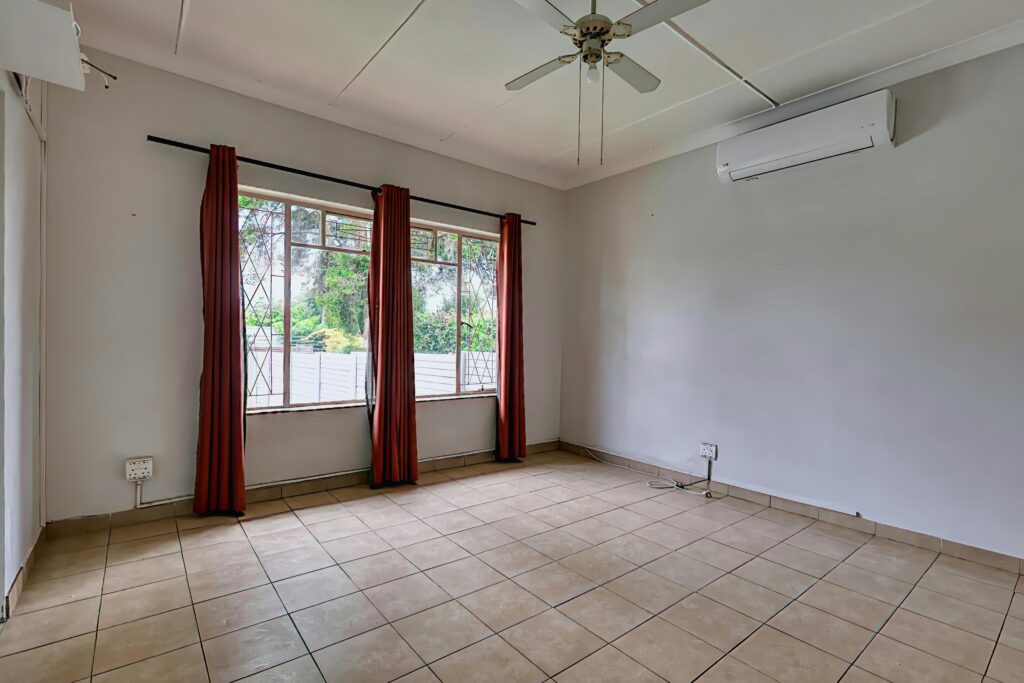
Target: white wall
(22, 159)
(339, 440)
(851, 332)
(123, 290)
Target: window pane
(328, 305)
(261, 246)
(479, 314)
(422, 242)
(348, 233)
(305, 225)
(434, 289)
(447, 247)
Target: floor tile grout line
(398, 549)
(415, 652)
(792, 600)
(697, 591)
(999, 636)
(659, 613)
(287, 612)
(961, 600)
(62, 604)
(99, 612)
(555, 607)
(146, 616)
(272, 583)
(201, 640)
(889, 618)
(192, 603)
(816, 582)
(763, 624)
(549, 606)
(388, 622)
(932, 654)
(611, 643)
(950, 572)
(97, 630)
(808, 527)
(146, 659)
(877, 632)
(865, 595)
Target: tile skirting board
(934, 543)
(268, 491)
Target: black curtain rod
(330, 179)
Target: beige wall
(124, 303)
(851, 332)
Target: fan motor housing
(593, 27)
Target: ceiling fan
(591, 34)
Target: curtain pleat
(220, 448)
(390, 382)
(511, 424)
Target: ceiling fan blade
(547, 13)
(625, 68)
(540, 72)
(653, 14)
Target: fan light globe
(593, 74)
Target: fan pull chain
(604, 77)
(579, 114)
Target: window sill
(345, 406)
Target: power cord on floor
(659, 482)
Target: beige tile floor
(562, 570)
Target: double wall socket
(708, 451)
(137, 469)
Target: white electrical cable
(664, 483)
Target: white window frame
(325, 208)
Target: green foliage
(334, 340)
(330, 313)
(328, 309)
(483, 335)
(435, 332)
(256, 319)
(305, 325)
(344, 293)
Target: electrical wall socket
(137, 469)
(708, 451)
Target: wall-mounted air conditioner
(40, 41)
(851, 126)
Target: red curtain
(393, 399)
(220, 451)
(511, 436)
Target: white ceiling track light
(591, 34)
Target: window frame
(418, 225)
(290, 201)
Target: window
(261, 233)
(455, 323)
(304, 271)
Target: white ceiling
(439, 84)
